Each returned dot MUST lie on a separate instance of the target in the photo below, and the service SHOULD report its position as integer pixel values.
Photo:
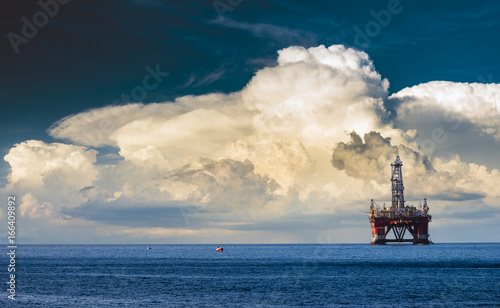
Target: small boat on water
(219, 249)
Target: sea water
(332, 275)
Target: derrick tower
(399, 218)
(398, 198)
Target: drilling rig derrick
(399, 218)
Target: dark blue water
(337, 275)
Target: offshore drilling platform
(398, 217)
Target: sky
(246, 121)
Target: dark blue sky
(92, 52)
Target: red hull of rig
(399, 218)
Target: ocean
(284, 275)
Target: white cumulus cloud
(36, 164)
(48, 176)
(456, 102)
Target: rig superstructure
(399, 217)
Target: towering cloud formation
(257, 159)
(317, 93)
(476, 103)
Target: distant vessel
(148, 247)
(219, 249)
(399, 218)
